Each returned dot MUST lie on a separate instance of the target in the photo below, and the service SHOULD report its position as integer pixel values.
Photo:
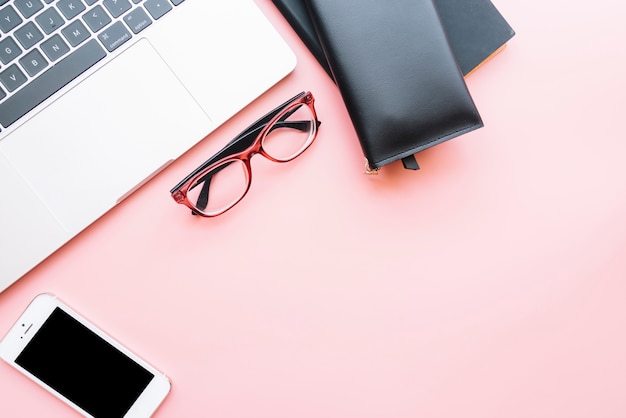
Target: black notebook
(475, 28)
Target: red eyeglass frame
(243, 147)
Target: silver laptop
(96, 96)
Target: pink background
(491, 283)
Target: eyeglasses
(224, 179)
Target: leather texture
(296, 13)
(396, 73)
(475, 29)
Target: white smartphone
(80, 364)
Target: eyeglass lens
(290, 136)
(215, 191)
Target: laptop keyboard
(45, 44)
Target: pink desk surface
(491, 283)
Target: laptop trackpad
(108, 143)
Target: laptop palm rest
(109, 152)
(25, 240)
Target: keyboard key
(2, 94)
(28, 7)
(71, 8)
(28, 35)
(9, 19)
(50, 20)
(177, 2)
(50, 82)
(12, 78)
(75, 33)
(9, 50)
(91, 2)
(114, 36)
(96, 18)
(157, 8)
(117, 7)
(137, 20)
(34, 62)
(55, 48)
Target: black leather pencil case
(397, 75)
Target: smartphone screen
(83, 367)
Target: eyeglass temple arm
(261, 123)
(203, 197)
(249, 134)
(243, 141)
(269, 116)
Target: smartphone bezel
(31, 320)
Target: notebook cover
(475, 28)
(397, 74)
